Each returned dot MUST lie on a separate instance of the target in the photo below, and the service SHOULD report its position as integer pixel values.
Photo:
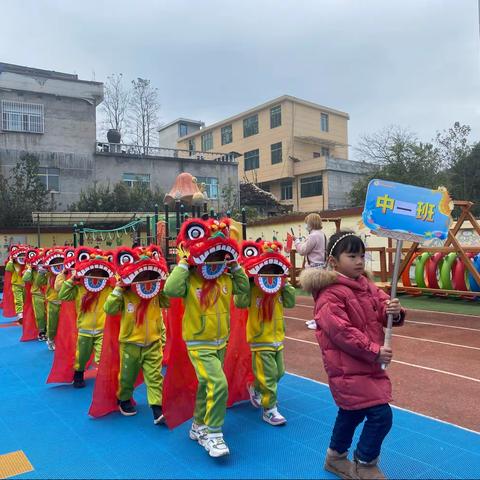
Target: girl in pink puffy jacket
(350, 312)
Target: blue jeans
(378, 424)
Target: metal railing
(124, 149)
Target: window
(325, 152)
(49, 177)
(191, 145)
(250, 126)
(22, 117)
(182, 129)
(227, 136)
(324, 122)
(317, 154)
(207, 141)
(211, 186)
(131, 179)
(311, 186)
(252, 159)
(275, 116)
(265, 187)
(286, 190)
(276, 150)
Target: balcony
(311, 165)
(140, 151)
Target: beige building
(295, 149)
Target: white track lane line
(442, 325)
(393, 406)
(436, 341)
(404, 363)
(421, 323)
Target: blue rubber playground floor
(51, 426)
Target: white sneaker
(255, 397)
(198, 433)
(311, 324)
(273, 417)
(215, 445)
(51, 344)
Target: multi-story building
(295, 149)
(53, 116)
(169, 134)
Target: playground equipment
(453, 269)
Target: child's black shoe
(78, 381)
(126, 408)
(158, 417)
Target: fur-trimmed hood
(312, 280)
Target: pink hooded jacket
(350, 316)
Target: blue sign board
(405, 212)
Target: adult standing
(313, 248)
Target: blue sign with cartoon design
(405, 212)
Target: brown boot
(339, 464)
(368, 470)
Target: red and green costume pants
(39, 311)
(212, 392)
(86, 344)
(147, 358)
(53, 312)
(18, 298)
(269, 368)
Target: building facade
(295, 149)
(53, 116)
(168, 135)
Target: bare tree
(144, 110)
(116, 102)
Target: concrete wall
(69, 124)
(79, 171)
(168, 137)
(164, 170)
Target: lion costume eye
(250, 251)
(125, 258)
(195, 231)
(31, 254)
(83, 256)
(70, 253)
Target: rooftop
(181, 120)
(270, 103)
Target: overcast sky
(413, 63)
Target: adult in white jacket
(313, 248)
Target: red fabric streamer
(8, 303)
(104, 399)
(65, 345)
(180, 384)
(238, 358)
(29, 325)
(266, 307)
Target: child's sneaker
(158, 416)
(20, 318)
(255, 397)
(198, 433)
(339, 464)
(78, 381)
(126, 408)
(273, 417)
(215, 445)
(42, 336)
(311, 324)
(51, 344)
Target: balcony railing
(124, 149)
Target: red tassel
(266, 307)
(141, 310)
(87, 301)
(210, 291)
